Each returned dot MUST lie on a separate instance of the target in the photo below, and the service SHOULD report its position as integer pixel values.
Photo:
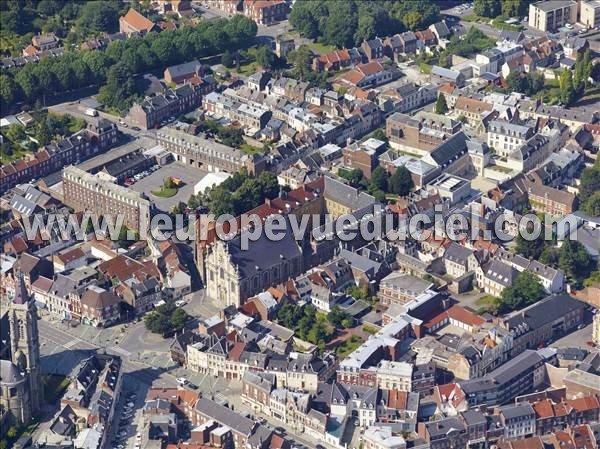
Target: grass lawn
(165, 192)
(500, 23)
(246, 148)
(110, 111)
(487, 303)
(591, 94)
(474, 18)
(321, 48)
(54, 387)
(247, 69)
(370, 329)
(348, 346)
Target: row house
(545, 320)
(371, 74)
(288, 87)
(97, 307)
(337, 60)
(446, 433)
(223, 358)
(241, 427)
(505, 137)
(373, 48)
(171, 103)
(552, 279)
(518, 420)
(552, 416)
(97, 137)
(407, 97)
(517, 376)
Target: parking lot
(154, 181)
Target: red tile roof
(137, 21)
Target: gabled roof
(137, 21)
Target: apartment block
(86, 192)
(552, 14)
(589, 15)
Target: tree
(401, 181)
(178, 319)
(567, 90)
(525, 290)
(100, 16)
(10, 92)
(156, 322)
(549, 255)
(441, 107)
(487, 8)
(412, 20)
(227, 59)
(379, 178)
(530, 248)
(575, 261)
(265, 57)
(590, 181)
(591, 205)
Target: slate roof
(517, 411)
(545, 311)
(457, 253)
(225, 416)
(450, 149)
(500, 272)
(185, 69)
(263, 253)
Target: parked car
(182, 381)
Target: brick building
(86, 192)
(170, 103)
(97, 137)
(266, 12)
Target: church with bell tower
(20, 373)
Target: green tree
(227, 59)
(10, 92)
(379, 178)
(412, 20)
(401, 182)
(487, 8)
(575, 261)
(156, 322)
(567, 90)
(591, 205)
(100, 16)
(530, 248)
(525, 290)
(178, 319)
(265, 57)
(441, 107)
(590, 181)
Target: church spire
(21, 295)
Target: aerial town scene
(300, 224)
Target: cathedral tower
(24, 341)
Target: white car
(182, 381)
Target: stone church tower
(24, 341)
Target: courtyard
(154, 182)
